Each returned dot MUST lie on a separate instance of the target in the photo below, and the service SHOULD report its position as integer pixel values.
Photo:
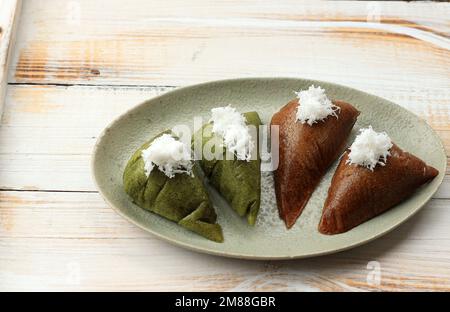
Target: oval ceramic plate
(268, 239)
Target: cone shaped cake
(176, 192)
(358, 194)
(306, 151)
(238, 180)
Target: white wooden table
(78, 64)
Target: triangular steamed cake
(358, 194)
(181, 198)
(237, 180)
(306, 151)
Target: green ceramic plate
(268, 239)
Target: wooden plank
(152, 265)
(28, 214)
(73, 241)
(48, 132)
(9, 15)
(146, 43)
(68, 239)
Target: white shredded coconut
(231, 126)
(370, 148)
(314, 106)
(169, 155)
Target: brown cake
(358, 194)
(305, 153)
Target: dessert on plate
(227, 149)
(373, 176)
(162, 178)
(312, 134)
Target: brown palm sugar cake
(312, 134)
(370, 179)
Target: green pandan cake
(238, 180)
(160, 177)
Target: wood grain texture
(45, 140)
(41, 232)
(48, 235)
(149, 42)
(9, 17)
(79, 64)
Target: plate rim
(237, 255)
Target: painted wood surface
(9, 16)
(79, 64)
